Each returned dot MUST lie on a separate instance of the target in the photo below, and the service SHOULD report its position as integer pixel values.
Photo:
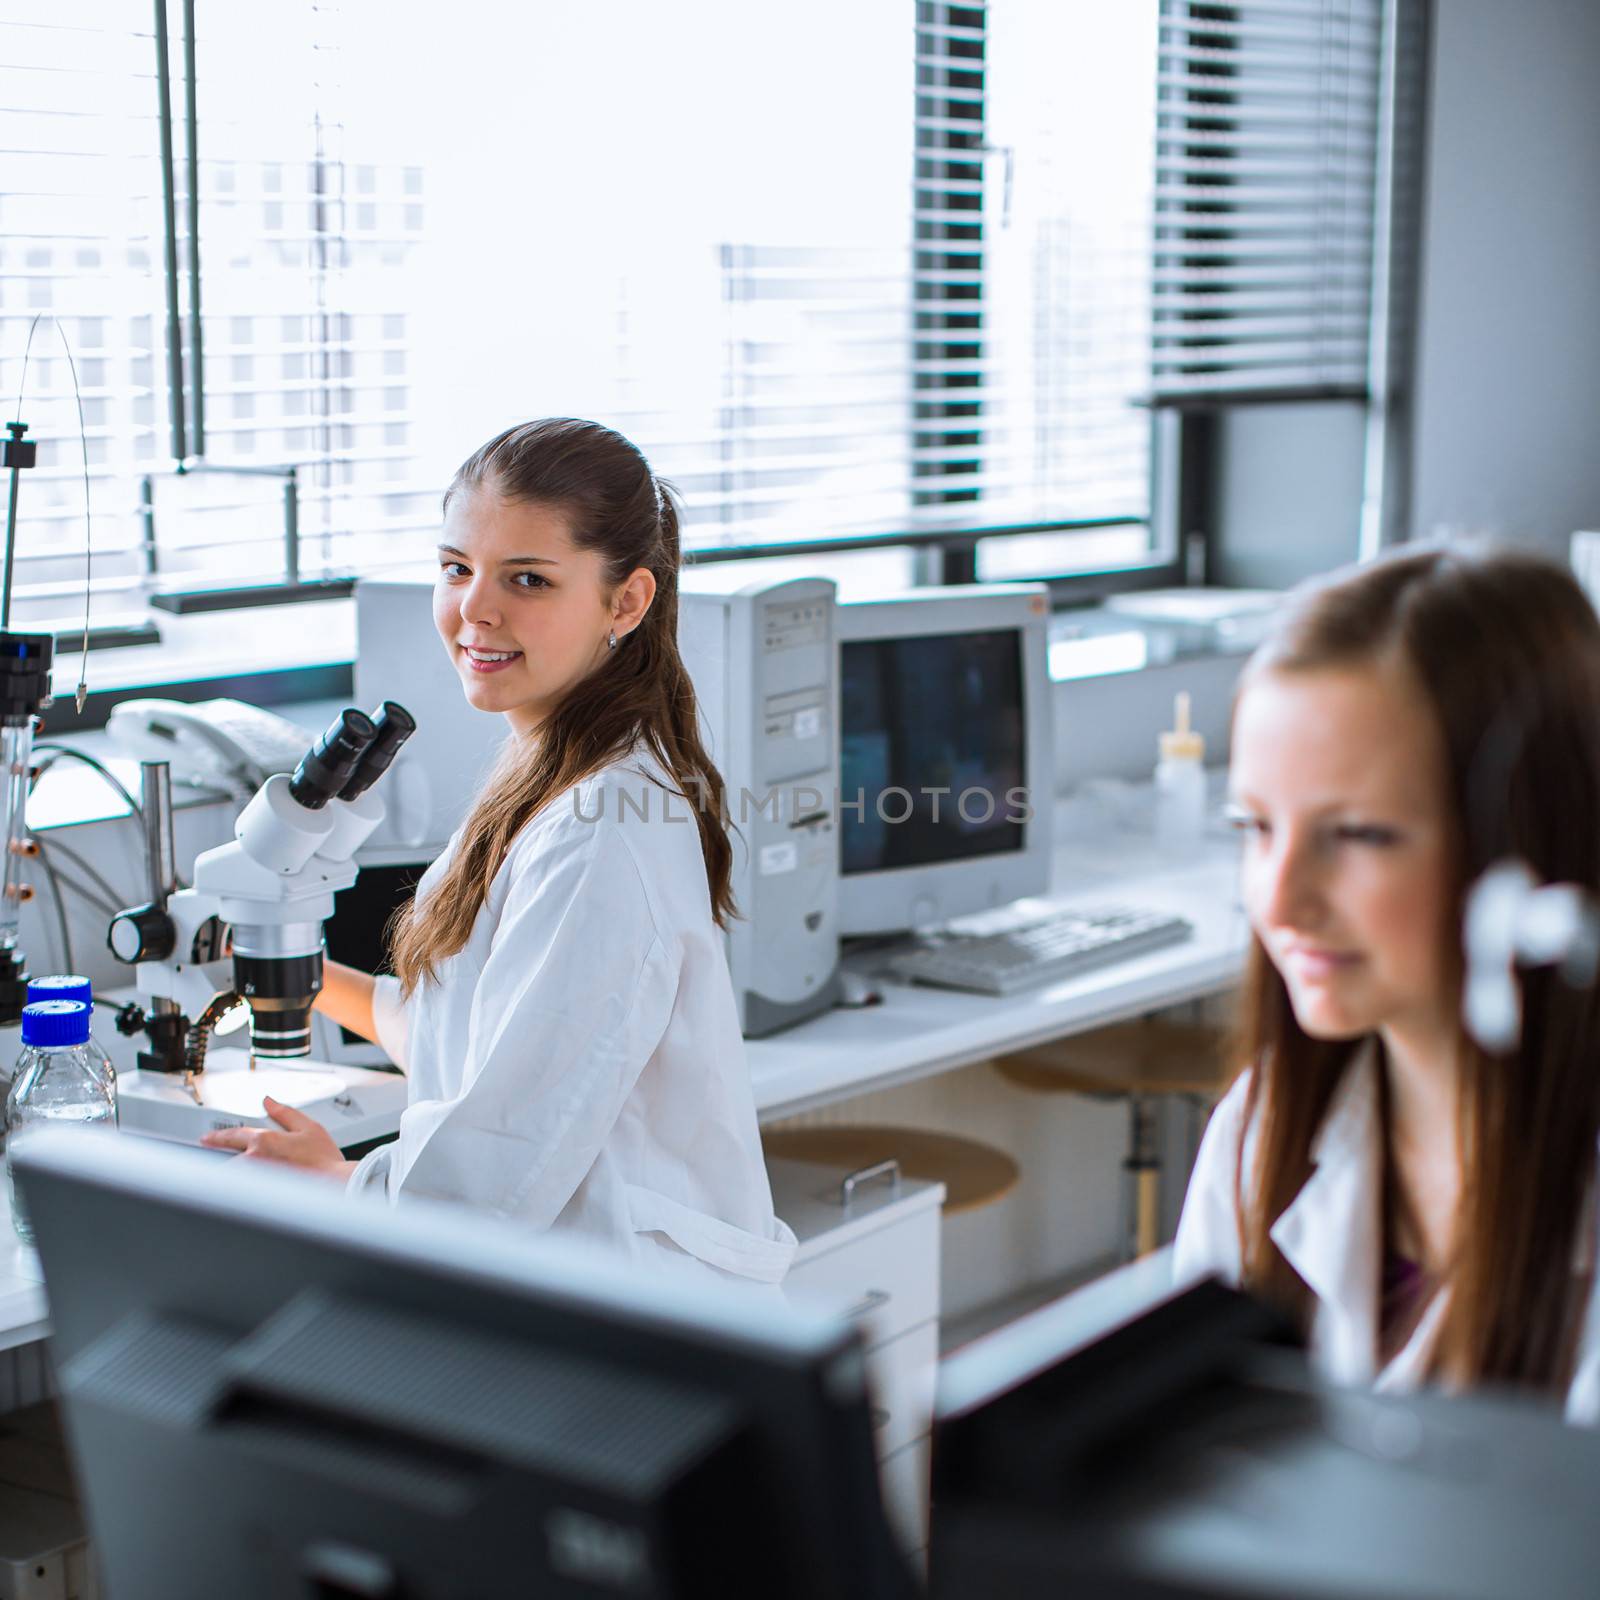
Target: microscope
(244, 943)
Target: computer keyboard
(1059, 946)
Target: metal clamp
(879, 1169)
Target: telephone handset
(218, 744)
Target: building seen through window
(888, 271)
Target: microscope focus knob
(143, 934)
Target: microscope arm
(273, 884)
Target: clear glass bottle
(55, 1083)
(70, 986)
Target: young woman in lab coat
(563, 1006)
(1425, 1209)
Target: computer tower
(764, 660)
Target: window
(900, 286)
(1266, 175)
(78, 212)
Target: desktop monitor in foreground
(272, 1390)
(946, 771)
(1185, 1456)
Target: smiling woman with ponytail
(563, 1006)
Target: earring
(611, 640)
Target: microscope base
(355, 1104)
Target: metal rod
(913, 537)
(1391, 338)
(170, 238)
(147, 516)
(197, 398)
(11, 551)
(155, 801)
(237, 469)
(291, 526)
(16, 758)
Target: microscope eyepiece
(395, 725)
(328, 765)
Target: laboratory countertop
(22, 1306)
(916, 1032)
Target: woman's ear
(632, 600)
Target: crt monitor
(1183, 1452)
(427, 794)
(946, 770)
(443, 765)
(270, 1389)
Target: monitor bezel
(131, 1231)
(897, 899)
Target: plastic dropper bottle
(1180, 782)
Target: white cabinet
(875, 1259)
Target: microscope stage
(354, 1104)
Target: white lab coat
(1332, 1235)
(578, 1066)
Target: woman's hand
(303, 1143)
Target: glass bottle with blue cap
(56, 1083)
(74, 986)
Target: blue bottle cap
(55, 1024)
(63, 986)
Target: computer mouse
(857, 989)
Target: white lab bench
(916, 1032)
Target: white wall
(1508, 368)
(1108, 727)
(115, 849)
(1288, 491)
(1506, 398)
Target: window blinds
(947, 365)
(1034, 139)
(930, 307)
(80, 240)
(1266, 166)
(306, 245)
(305, 349)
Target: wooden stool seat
(973, 1174)
(1127, 1059)
(1136, 1062)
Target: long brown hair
(614, 504)
(1506, 650)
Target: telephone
(213, 744)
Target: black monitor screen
(933, 750)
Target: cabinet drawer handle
(868, 1303)
(889, 1169)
